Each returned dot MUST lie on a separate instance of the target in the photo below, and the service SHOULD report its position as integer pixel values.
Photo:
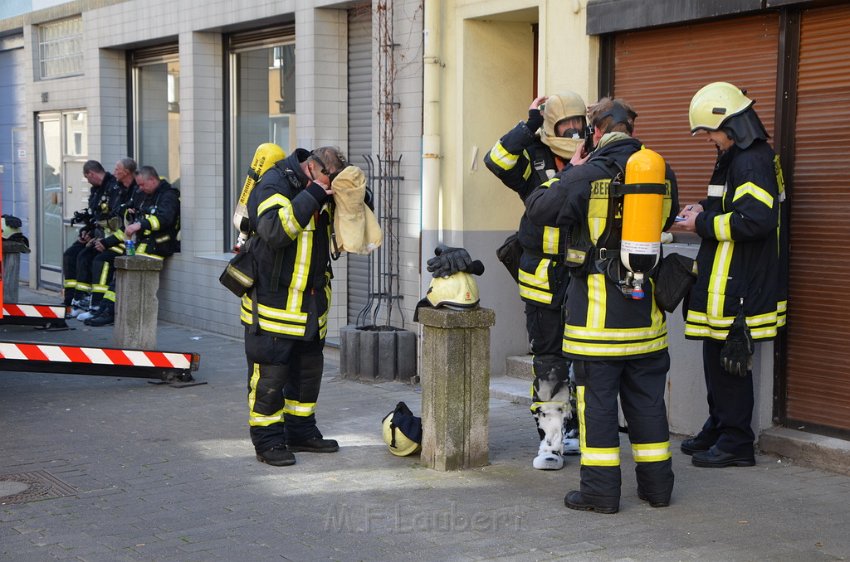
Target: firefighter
(285, 313)
(77, 259)
(102, 269)
(617, 343)
(525, 157)
(739, 295)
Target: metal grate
(383, 293)
(40, 485)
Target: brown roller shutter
(658, 71)
(818, 389)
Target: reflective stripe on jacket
(740, 251)
(600, 322)
(523, 163)
(290, 219)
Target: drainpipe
(431, 119)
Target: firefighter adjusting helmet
(558, 108)
(714, 104)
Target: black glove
(448, 261)
(535, 120)
(736, 357)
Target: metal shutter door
(360, 118)
(818, 390)
(658, 71)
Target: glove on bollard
(448, 261)
(736, 357)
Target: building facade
(193, 90)
(425, 88)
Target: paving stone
(165, 473)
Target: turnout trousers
(69, 270)
(284, 377)
(730, 405)
(640, 384)
(552, 391)
(102, 274)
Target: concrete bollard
(12, 251)
(455, 387)
(136, 304)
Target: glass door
(62, 189)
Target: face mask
(572, 134)
(563, 147)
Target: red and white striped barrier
(70, 359)
(48, 316)
(95, 355)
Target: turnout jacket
(159, 215)
(600, 322)
(523, 162)
(120, 200)
(100, 197)
(290, 220)
(739, 256)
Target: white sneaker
(571, 446)
(83, 316)
(76, 311)
(548, 461)
(571, 443)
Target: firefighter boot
(550, 424)
(277, 456)
(105, 317)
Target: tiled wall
(190, 293)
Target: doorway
(62, 144)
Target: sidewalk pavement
(152, 472)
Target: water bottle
(130, 246)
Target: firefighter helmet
(11, 226)
(396, 425)
(458, 290)
(714, 104)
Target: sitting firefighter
(77, 259)
(152, 223)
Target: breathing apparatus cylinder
(266, 156)
(644, 189)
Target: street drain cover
(23, 487)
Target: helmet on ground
(402, 431)
(714, 104)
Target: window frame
(72, 39)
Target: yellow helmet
(458, 290)
(398, 443)
(714, 103)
